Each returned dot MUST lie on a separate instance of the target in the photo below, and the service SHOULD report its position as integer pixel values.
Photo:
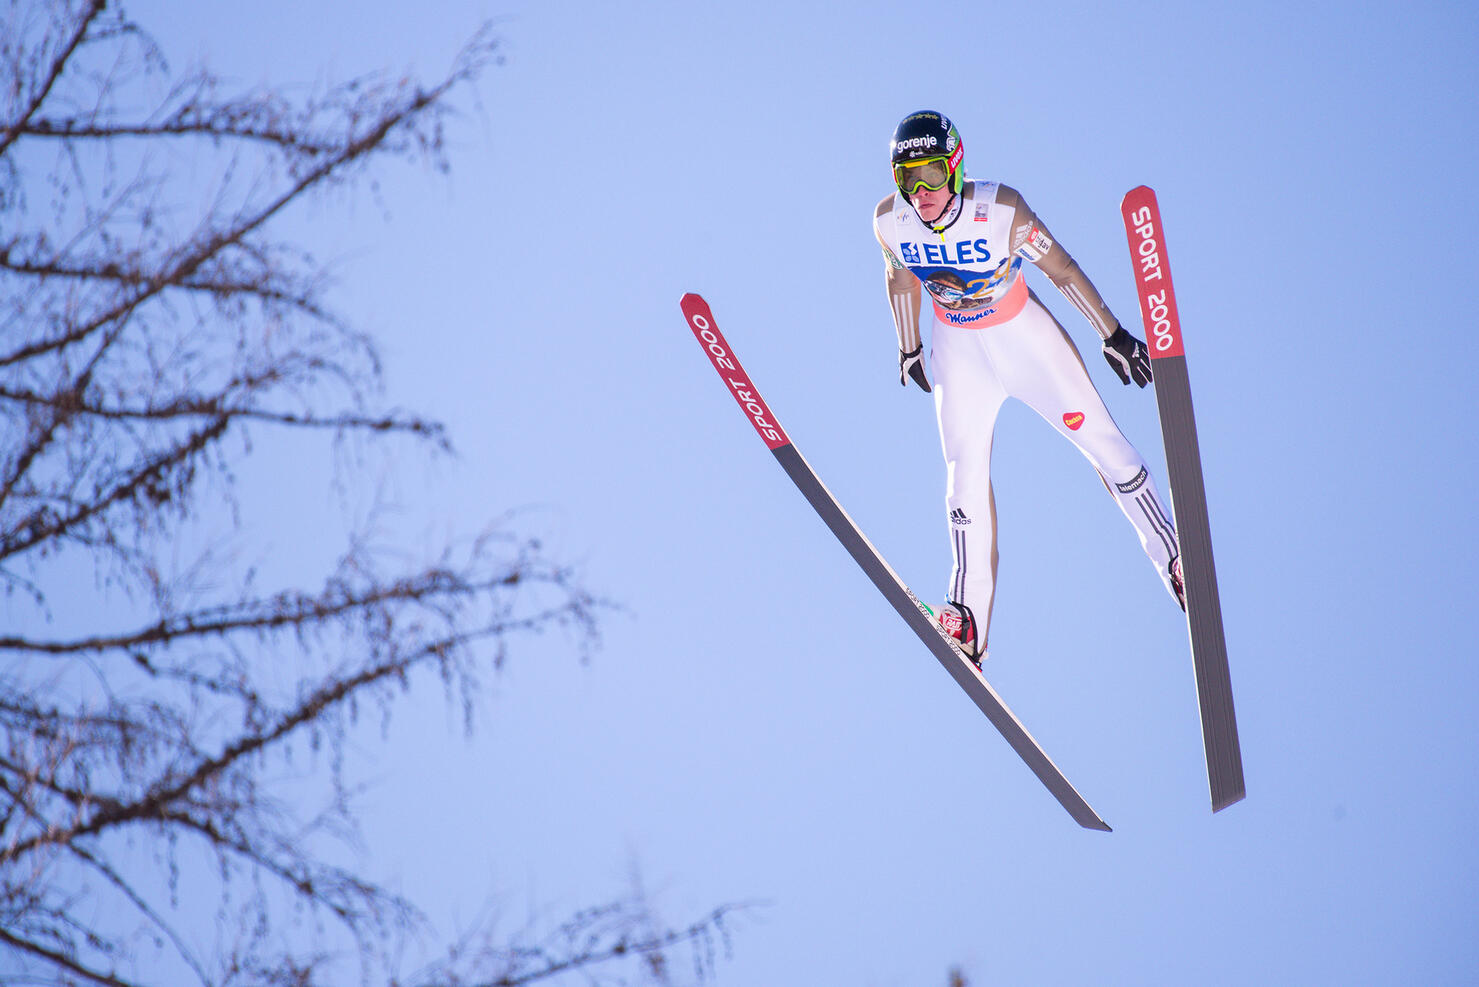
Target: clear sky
(759, 725)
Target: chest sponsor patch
(956, 254)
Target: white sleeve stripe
(1095, 317)
(905, 322)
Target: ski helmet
(926, 150)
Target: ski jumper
(991, 339)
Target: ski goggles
(928, 173)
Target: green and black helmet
(926, 152)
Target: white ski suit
(991, 339)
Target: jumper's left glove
(1127, 357)
(911, 364)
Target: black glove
(1127, 357)
(911, 364)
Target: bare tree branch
(157, 921)
(14, 129)
(61, 960)
(218, 407)
(282, 610)
(148, 480)
(617, 934)
(225, 282)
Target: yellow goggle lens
(929, 173)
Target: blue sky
(759, 725)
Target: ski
(1147, 240)
(742, 389)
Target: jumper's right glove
(911, 364)
(1127, 357)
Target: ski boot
(1175, 583)
(957, 621)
